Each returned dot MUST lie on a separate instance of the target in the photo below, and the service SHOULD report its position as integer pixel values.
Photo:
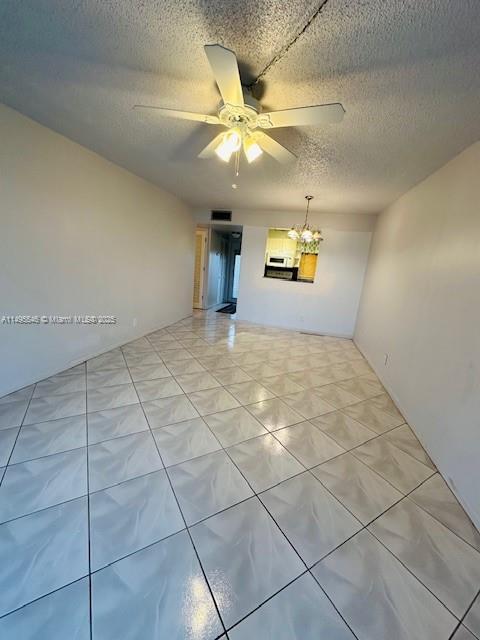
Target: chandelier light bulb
(307, 235)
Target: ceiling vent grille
(221, 216)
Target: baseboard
(316, 332)
(48, 372)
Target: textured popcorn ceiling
(407, 72)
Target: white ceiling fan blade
(182, 115)
(274, 148)
(209, 150)
(225, 70)
(320, 114)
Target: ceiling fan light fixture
(252, 149)
(230, 144)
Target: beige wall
(79, 235)
(421, 306)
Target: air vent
(224, 216)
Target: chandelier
(305, 232)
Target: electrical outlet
(386, 359)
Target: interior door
(199, 269)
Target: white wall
(79, 235)
(328, 306)
(421, 306)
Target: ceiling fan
(242, 115)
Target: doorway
(217, 266)
(232, 266)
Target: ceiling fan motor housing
(241, 116)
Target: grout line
(132, 553)
(31, 513)
(419, 506)
(404, 495)
(45, 595)
(255, 494)
(183, 517)
(18, 434)
(367, 527)
(204, 455)
(452, 636)
(90, 603)
(279, 528)
(289, 542)
(259, 494)
(32, 424)
(269, 432)
(364, 526)
(47, 455)
(410, 571)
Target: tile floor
(224, 480)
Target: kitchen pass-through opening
(288, 259)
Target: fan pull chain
(237, 163)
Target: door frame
(201, 293)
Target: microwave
(279, 261)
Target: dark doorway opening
(233, 249)
(222, 265)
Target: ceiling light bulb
(223, 152)
(231, 142)
(234, 139)
(307, 235)
(293, 234)
(252, 149)
(317, 235)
